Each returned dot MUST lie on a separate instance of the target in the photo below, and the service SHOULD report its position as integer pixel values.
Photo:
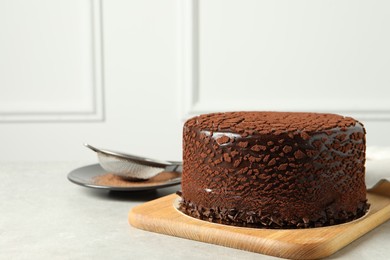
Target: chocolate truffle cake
(274, 169)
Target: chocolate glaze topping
(274, 169)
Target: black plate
(85, 176)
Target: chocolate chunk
(287, 149)
(243, 144)
(258, 148)
(223, 140)
(272, 162)
(299, 154)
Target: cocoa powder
(110, 179)
(275, 123)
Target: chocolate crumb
(110, 179)
(223, 140)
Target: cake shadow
(135, 196)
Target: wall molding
(96, 95)
(191, 103)
(188, 56)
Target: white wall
(125, 74)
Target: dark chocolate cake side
(274, 169)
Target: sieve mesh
(127, 168)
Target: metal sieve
(132, 166)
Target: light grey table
(44, 216)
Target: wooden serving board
(161, 216)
